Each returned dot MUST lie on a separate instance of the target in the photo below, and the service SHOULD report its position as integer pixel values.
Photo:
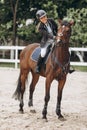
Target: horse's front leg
(47, 96)
(59, 97)
(34, 81)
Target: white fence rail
(12, 48)
(75, 49)
(17, 48)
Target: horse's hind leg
(34, 81)
(21, 88)
(23, 78)
(59, 97)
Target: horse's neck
(62, 54)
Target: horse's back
(28, 50)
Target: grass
(80, 68)
(12, 65)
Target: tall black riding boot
(39, 63)
(71, 71)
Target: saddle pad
(35, 54)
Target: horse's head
(64, 31)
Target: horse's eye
(67, 30)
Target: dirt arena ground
(74, 104)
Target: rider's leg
(44, 50)
(39, 63)
(40, 60)
(71, 70)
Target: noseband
(61, 34)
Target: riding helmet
(40, 14)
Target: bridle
(60, 43)
(59, 35)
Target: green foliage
(55, 8)
(5, 11)
(5, 30)
(79, 31)
(51, 9)
(63, 5)
(28, 33)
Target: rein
(63, 67)
(55, 60)
(60, 43)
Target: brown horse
(57, 67)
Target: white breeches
(43, 51)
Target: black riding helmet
(40, 14)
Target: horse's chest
(59, 74)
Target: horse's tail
(17, 93)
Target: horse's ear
(60, 21)
(72, 22)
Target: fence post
(16, 57)
(12, 53)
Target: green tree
(64, 5)
(79, 31)
(51, 9)
(14, 12)
(14, 7)
(25, 9)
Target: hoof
(33, 111)
(44, 117)
(30, 103)
(61, 118)
(21, 111)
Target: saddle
(36, 53)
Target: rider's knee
(43, 52)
